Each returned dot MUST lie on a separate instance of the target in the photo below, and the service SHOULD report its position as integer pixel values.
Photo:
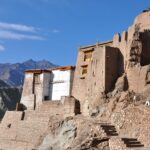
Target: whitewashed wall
(60, 84)
(53, 85)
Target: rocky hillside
(13, 74)
(120, 124)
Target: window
(88, 55)
(84, 71)
(37, 78)
(46, 98)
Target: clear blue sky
(55, 29)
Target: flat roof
(37, 71)
(94, 45)
(63, 68)
(146, 10)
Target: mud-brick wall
(137, 78)
(111, 67)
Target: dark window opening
(46, 98)
(84, 70)
(88, 55)
(145, 54)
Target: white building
(44, 85)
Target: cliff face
(8, 99)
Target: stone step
(49, 104)
(29, 135)
(108, 125)
(6, 144)
(30, 131)
(8, 134)
(53, 107)
(110, 130)
(20, 133)
(34, 124)
(43, 115)
(132, 142)
(15, 145)
(116, 143)
(142, 148)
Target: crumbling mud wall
(134, 59)
(130, 59)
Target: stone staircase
(110, 130)
(121, 143)
(132, 142)
(37, 115)
(24, 133)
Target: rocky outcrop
(136, 48)
(60, 136)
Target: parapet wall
(144, 20)
(11, 117)
(134, 47)
(69, 106)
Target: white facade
(61, 83)
(44, 85)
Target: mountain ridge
(13, 73)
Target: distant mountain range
(13, 74)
